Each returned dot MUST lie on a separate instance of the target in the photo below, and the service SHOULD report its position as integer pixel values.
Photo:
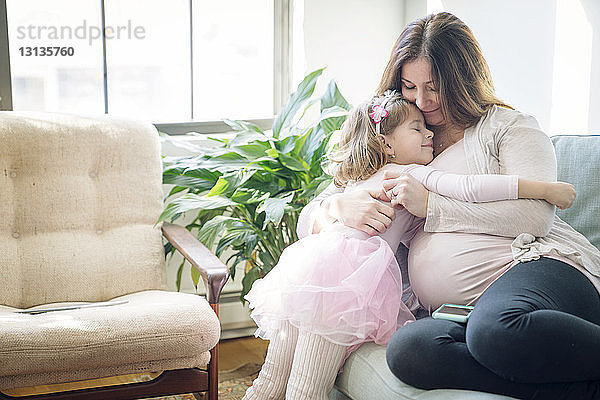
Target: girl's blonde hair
(360, 151)
(459, 71)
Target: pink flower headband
(377, 115)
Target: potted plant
(246, 193)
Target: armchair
(79, 201)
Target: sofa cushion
(578, 159)
(366, 376)
(154, 330)
(79, 199)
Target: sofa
(366, 375)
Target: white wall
(543, 55)
(353, 39)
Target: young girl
(332, 291)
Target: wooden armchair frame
(192, 380)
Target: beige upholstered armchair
(79, 200)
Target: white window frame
(282, 77)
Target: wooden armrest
(213, 271)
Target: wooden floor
(234, 353)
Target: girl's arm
(486, 188)
(560, 194)
(470, 188)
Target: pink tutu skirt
(345, 289)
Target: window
(177, 62)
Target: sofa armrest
(213, 271)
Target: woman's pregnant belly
(456, 267)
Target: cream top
(454, 267)
(508, 142)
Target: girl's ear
(386, 145)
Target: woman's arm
(520, 149)
(357, 209)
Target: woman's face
(418, 87)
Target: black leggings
(534, 334)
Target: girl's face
(411, 142)
(418, 87)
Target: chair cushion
(578, 159)
(155, 330)
(366, 376)
(79, 200)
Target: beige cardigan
(507, 142)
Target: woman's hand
(361, 210)
(407, 192)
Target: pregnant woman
(534, 281)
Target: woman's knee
(500, 342)
(414, 351)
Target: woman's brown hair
(459, 71)
(361, 151)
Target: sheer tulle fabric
(345, 289)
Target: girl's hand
(560, 194)
(361, 210)
(406, 191)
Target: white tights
(299, 365)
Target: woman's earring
(392, 156)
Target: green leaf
(191, 201)
(333, 98)
(287, 145)
(234, 238)
(219, 187)
(272, 153)
(267, 260)
(242, 126)
(215, 228)
(293, 163)
(303, 92)
(332, 112)
(179, 272)
(252, 151)
(248, 280)
(187, 182)
(229, 182)
(274, 208)
(226, 162)
(195, 276)
(242, 138)
(245, 195)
